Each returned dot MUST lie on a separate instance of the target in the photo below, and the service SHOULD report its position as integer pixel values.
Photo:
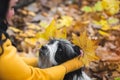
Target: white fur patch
(83, 77)
(53, 48)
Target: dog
(58, 51)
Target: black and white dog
(57, 52)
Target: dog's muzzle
(44, 50)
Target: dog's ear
(77, 49)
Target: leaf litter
(35, 24)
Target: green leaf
(113, 20)
(87, 9)
(117, 78)
(98, 6)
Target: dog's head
(57, 52)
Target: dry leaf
(48, 32)
(60, 33)
(65, 21)
(111, 6)
(88, 46)
(15, 29)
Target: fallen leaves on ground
(36, 23)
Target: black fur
(65, 51)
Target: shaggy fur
(57, 52)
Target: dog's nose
(44, 47)
(43, 50)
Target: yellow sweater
(12, 67)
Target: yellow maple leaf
(64, 21)
(88, 46)
(48, 32)
(51, 29)
(111, 6)
(61, 33)
(52, 32)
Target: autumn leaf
(111, 6)
(118, 78)
(87, 9)
(15, 29)
(51, 31)
(48, 32)
(103, 33)
(43, 24)
(30, 33)
(117, 27)
(27, 12)
(88, 46)
(103, 24)
(61, 33)
(31, 41)
(106, 25)
(113, 20)
(32, 26)
(98, 6)
(31, 13)
(65, 21)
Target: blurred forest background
(37, 21)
